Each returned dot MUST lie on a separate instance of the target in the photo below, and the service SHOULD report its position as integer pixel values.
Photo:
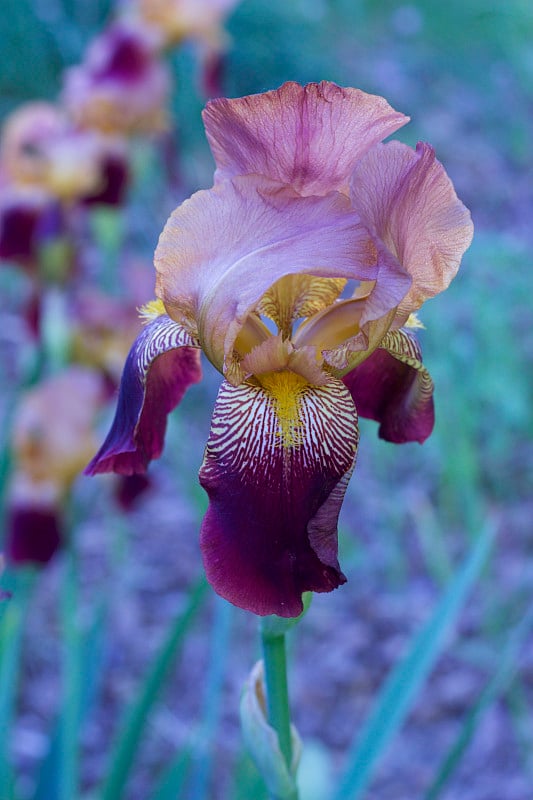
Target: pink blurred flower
(295, 275)
(42, 150)
(53, 435)
(176, 20)
(122, 86)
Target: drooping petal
(163, 362)
(33, 534)
(310, 136)
(407, 199)
(222, 250)
(275, 470)
(394, 388)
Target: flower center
(286, 390)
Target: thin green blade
(404, 683)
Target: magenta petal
(270, 532)
(394, 388)
(310, 137)
(163, 362)
(33, 534)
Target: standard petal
(310, 136)
(163, 362)
(224, 248)
(275, 470)
(394, 388)
(406, 198)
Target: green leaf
(90, 660)
(15, 610)
(500, 680)
(402, 687)
(129, 737)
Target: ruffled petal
(162, 363)
(276, 467)
(310, 136)
(224, 248)
(394, 388)
(406, 198)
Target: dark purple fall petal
(33, 535)
(115, 177)
(270, 532)
(162, 363)
(394, 388)
(18, 227)
(121, 54)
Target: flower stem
(277, 695)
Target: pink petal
(270, 532)
(309, 136)
(163, 362)
(407, 199)
(222, 250)
(393, 387)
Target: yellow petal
(295, 296)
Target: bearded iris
(297, 275)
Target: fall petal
(406, 198)
(309, 136)
(163, 362)
(224, 248)
(394, 388)
(275, 470)
(33, 534)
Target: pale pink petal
(308, 136)
(406, 198)
(224, 248)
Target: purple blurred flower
(315, 228)
(122, 86)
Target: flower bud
(262, 741)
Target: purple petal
(394, 388)
(33, 534)
(163, 362)
(115, 176)
(276, 467)
(310, 136)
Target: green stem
(277, 695)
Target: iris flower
(297, 275)
(53, 435)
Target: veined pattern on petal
(394, 388)
(159, 336)
(275, 488)
(297, 296)
(403, 346)
(246, 431)
(163, 362)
